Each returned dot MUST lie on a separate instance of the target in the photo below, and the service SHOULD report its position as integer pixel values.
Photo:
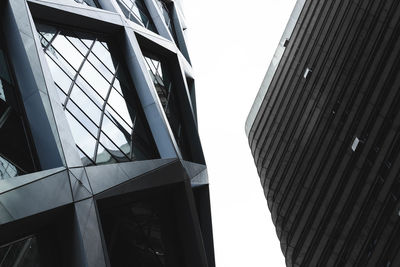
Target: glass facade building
(100, 159)
(325, 137)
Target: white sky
(231, 44)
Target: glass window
(169, 101)
(17, 156)
(93, 3)
(23, 252)
(141, 229)
(167, 17)
(101, 104)
(137, 9)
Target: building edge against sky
(100, 159)
(324, 133)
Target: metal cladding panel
(49, 215)
(325, 139)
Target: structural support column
(87, 229)
(31, 83)
(158, 123)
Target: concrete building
(324, 133)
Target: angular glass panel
(97, 93)
(82, 48)
(121, 154)
(2, 94)
(85, 141)
(110, 112)
(4, 74)
(165, 10)
(22, 253)
(118, 103)
(92, 3)
(169, 100)
(84, 158)
(59, 76)
(7, 169)
(82, 117)
(102, 53)
(16, 152)
(137, 9)
(100, 67)
(90, 92)
(140, 229)
(86, 104)
(61, 94)
(103, 157)
(94, 78)
(60, 62)
(119, 136)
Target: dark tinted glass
(93, 3)
(140, 230)
(21, 253)
(16, 152)
(169, 100)
(167, 16)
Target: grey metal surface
(65, 188)
(90, 232)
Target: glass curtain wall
(168, 98)
(137, 9)
(16, 150)
(167, 17)
(92, 3)
(23, 252)
(100, 103)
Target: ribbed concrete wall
(326, 140)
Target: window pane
(86, 105)
(90, 91)
(104, 55)
(103, 157)
(93, 77)
(78, 44)
(116, 117)
(59, 76)
(97, 89)
(100, 67)
(82, 137)
(114, 133)
(4, 74)
(69, 52)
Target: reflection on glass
(137, 9)
(167, 17)
(168, 99)
(142, 231)
(94, 92)
(93, 3)
(16, 156)
(7, 169)
(22, 253)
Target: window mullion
(102, 113)
(51, 40)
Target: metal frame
(64, 184)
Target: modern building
(100, 158)
(325, 136)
